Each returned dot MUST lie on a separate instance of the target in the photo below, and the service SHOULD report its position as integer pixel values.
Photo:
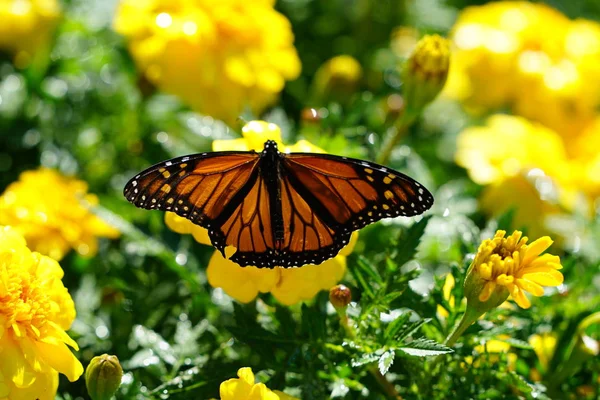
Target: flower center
(24, 306)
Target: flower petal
(234, 389)
(520, 298)
(246, 375)
(551, 277)
(536, 248)
(487, 291)
(59, 357)
(241, 283)
(530, 287)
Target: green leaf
(313, 322)
(385, 361)
(519, 344)
(425, 347)
(362, 279)
(411, 328)
(408, 243)
(364, 359)
(394, 327)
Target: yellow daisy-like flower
(35, 311)
(528, 57)
(26, 28)
(52, 212)
(506, 266)
(244, 388)
(290, 285)
(219, 57)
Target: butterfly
(277, 209)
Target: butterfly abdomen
(270, 171)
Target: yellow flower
(336, 80)
(514, 155)
(491, 350)
(544, 346)
(26, 28)
(508, 145)
(244, 388)
(288, 285)
(35, 311)
(52, 212)
(219, 57)
(530, 58)
(449, 284)
(506, 266)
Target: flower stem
(386, 385)
(401, 126)
(468, 318)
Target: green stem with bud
(400, 127)
(469, 317)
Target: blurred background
(100, 89)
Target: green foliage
(145, 297)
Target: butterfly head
(270, 147)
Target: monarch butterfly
(277, 209)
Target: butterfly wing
(199, 187)
(347, 194)
(323, 199)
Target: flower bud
(425, 72)
(336, 80)
(340, 296)
(103, 377)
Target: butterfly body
(277, 209)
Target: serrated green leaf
(425, 347)
(385, 361)
(394, 327)
(408, 243)
(411, 328)
(364, 359)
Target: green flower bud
(103, 377)
(425, 72)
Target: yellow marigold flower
(52, 212)
(506, 266)
(508, 145)
(219, 57)
(425, 72)
(26, 28)
(244, 388)
(288, 285)
(514, 155)
(337, 79)
(544, 346)
(528, 57)
(35, 311)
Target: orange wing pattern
(354, 193)
(199, 187)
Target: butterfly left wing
(199, 187)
